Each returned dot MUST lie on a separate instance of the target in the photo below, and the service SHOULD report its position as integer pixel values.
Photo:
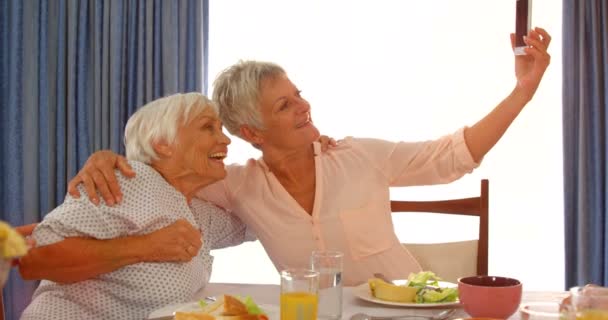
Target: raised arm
(529, 70)
(77, 259)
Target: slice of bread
(225, 308)
(233, 306)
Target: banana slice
(390, 292)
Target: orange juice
(592, 314)
(299, 306)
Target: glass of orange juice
(589, 303)
(299, 294)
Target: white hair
(159, 120)
(237, 93)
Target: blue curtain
(585, 99)
(71, 73)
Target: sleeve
(419, 163)
(81, 218)
(220, 229)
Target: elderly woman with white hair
(176, 146)
(298, 199)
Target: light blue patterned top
(132, 292)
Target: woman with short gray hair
(176, 146)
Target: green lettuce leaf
(252, 307)
(428, 290)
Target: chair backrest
(476, 206)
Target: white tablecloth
(269, 295)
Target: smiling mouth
(218, 156)
(304, 123)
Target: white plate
(362, 291)
(165, 312)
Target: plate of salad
(420, 290)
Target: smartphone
(523, 18)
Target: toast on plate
(225, 308)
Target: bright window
(411, 70)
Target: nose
(224, 138)
(303, 106)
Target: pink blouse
(351, 210)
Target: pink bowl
(489, 296)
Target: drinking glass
(299, 294)
(589, 303)
(329, 266)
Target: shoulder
(351, 144)
(146, 178)
(148, 188)
(237, 173)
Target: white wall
(413, 70)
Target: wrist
(521, 96)
(134, 249)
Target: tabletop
(269, 295)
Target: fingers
(72, 190)
(546, 37)
(110, 189)
(89, 186)
(534, 39)
(538, 41)
(190, 234)
(179, 241)
(327, 142)
(192, 251)
(102, 186)
(123, 165)
(98, 175)
(102, 165)
(537, 37)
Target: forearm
(77, 259)
(483, 135)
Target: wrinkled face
(201, 146)
(285, 114)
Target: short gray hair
(237, 93)
(159, 120)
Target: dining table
(268, 295)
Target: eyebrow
(212, 119)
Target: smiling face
(285, 114)
(200, 147)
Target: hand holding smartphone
(523, 18)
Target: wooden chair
(453, 259)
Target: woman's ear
(162, 149)
(251, 135)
